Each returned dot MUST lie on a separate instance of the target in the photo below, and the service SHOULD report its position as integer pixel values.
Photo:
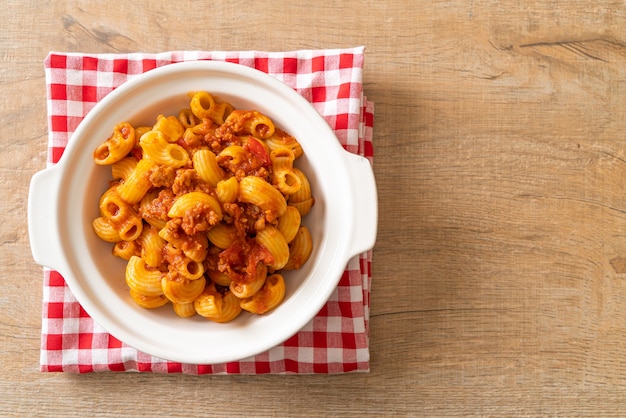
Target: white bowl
(63, 200)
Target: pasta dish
(206, 207)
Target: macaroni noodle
(206, 206)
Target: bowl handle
(43, 228)
(365, 198)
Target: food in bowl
(206, 207)
(63, 204)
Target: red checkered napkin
(336, 340)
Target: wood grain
(499, 272)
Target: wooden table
(500, 154)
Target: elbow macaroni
(206, 207)
(119, 144)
